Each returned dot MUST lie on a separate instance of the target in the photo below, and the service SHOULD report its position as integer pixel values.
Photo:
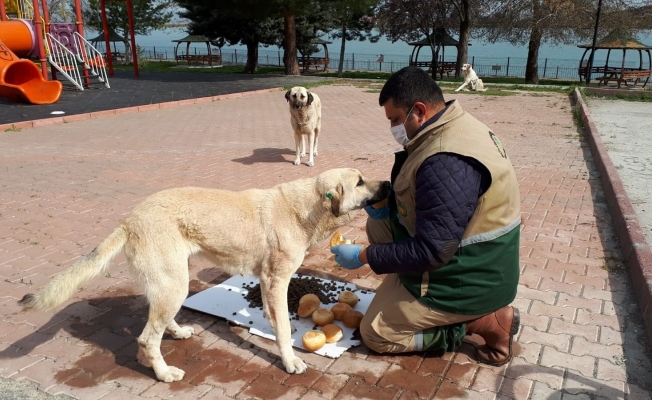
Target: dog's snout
(383, 191)
(297, 105)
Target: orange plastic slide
(21, 80)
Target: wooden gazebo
(617, 39)
(305, 62)
(439, 38)
(202, 58)
(113, 38)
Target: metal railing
(91, 58)
(64, 61)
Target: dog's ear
(310, 98)
(287, 96)
(336, 199)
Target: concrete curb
(96, 114)
(636, 251)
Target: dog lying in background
(305, 116)
(470, 79)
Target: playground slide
(20, 79)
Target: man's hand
(347, 255)
(377, 213)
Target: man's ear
(336, 199)
(310, 98)
(287, 95)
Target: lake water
(396, 55)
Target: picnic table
(306, 62)
(623, 75)
(443, 67)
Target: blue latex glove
(347, 255)
(377, 213)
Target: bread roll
(380, 204)
(337, 239)
(323, 316)
(311, 297)
(349, 298)
(307, 308)
(333, 333)
(339, 309)
(313, 340)
(352, 318)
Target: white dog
(305, 116)
(470, 78)
(264, 233)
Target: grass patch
(638, 97)
(13, 129)
(172, 66)
(577, 117)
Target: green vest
(483, 274)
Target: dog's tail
(64, 285)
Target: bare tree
(410, 20)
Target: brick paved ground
(65, 187)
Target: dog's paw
(295, 366)
(303, 154)
(315, 153)
(184, 332)
(311, 163)
(293, 328)
(297, 162)
(171, 374)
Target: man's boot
(498, 330)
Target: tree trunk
(465, 32)
(532, 65)
(127, 50)
(252, 58)
(435, 61)
(340, 68)
(290, 43)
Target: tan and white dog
(264, 233)
(305, 117)
(470, 79)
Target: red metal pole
(46, 17)
(80, 30)
(133, 37)
(3, 11)
(105, 26)
(38, 26)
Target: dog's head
(345, 190)
(466, 69)
(298, 97)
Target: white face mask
(399, 132)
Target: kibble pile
(327, 292)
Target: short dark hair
(409, 85)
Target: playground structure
(25, 34)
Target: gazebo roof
(440, 38)
(113, 37)
(618, 39)
(194, 39)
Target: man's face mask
(399, 132)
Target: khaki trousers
(395, 318)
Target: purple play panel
(64, 34)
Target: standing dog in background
(305, 116)
(471, 78)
